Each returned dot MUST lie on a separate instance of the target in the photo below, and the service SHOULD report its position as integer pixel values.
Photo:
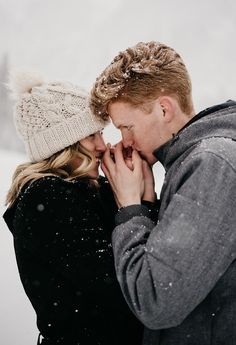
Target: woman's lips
(98, 161)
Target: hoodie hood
(216, 121)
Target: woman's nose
(100, 144)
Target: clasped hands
(131, 178)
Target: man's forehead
(117, 114)
(120, 107)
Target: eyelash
(128, 127)
(93, 134)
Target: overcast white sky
(75, 40)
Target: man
(178, 275)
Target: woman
(61, 212)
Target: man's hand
(127, 184)
(149, 183)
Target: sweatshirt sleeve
(166, 270)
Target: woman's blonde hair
(141, 74)
(56, 165)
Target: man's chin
(150, 159)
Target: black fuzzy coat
(62, 238)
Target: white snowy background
(75, 40)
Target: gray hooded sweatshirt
(179, 275)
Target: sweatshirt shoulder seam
(208, 151)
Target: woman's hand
(127, 184)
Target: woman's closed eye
(128, 127)
(94, 134)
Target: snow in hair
(21, 82)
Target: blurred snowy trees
(8, 136)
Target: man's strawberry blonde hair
(141, 74)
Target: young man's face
(144, 131)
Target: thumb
(136, 160)
(147, 169)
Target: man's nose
(127, 140)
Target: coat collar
(200, 127)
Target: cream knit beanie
(49, 116)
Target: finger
(119, 159)
(105, 170)
(148, 175)
(129, 163)
(136, 160)
(107, 159)
(107, 174)
(146, 167)
(146, 171)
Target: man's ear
(168, 105)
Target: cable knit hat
(49, 116)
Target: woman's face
(95, 144)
